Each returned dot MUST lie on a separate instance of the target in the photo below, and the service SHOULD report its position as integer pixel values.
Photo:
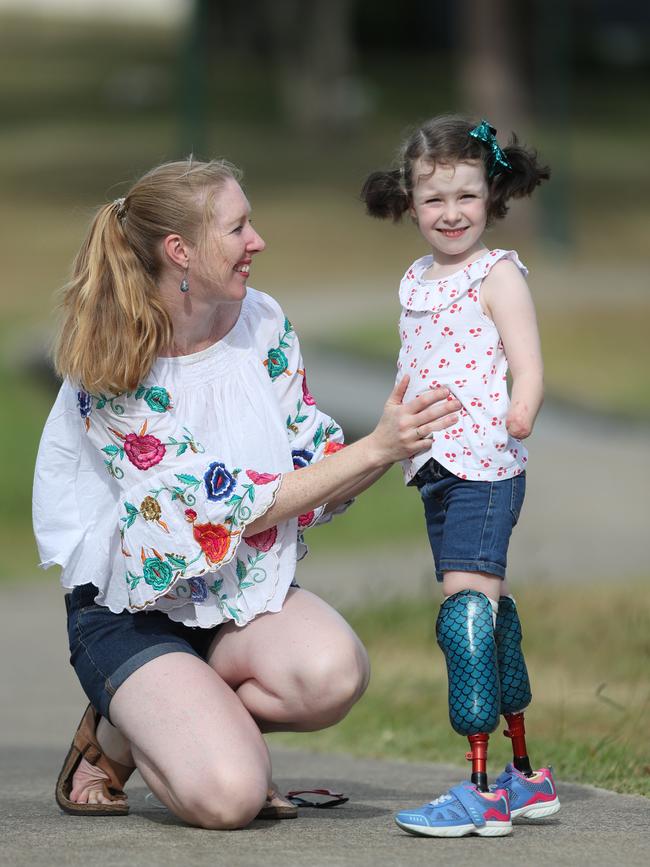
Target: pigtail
(525, 174)
(113, 325)
(384, 195)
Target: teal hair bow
(497, 161)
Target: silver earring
(185, 285)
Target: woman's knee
(224, 801)
(334, 680)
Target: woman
(182, 461)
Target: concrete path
(41, 704)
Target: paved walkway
(41, 704)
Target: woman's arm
(508, 301)
(402, 431)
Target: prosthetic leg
(465, 633)
(514, 682)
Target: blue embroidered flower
(301, 458)
(218, 481)
(276, 362)
(199, 589)
(85, 402)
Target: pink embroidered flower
(261, 478)
(263, 541)
(190, 515)
(332, 447)
(143, 451)
(306, 519)
(306, 394)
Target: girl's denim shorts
(469, 522)
(106, 648)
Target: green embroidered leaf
(130, 520)
(300, 419)
(181, 449)
(216, 587)
(121, 454)
(187, 480)
(101, 403)
(235, 612)
(319, 435)
(176, 561)
(244, 584)
(177, 493)
(130, 508)
(141, 391)
(111, 450)
(173, 441)
(289, 421)
(241, 570)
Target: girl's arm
(354, 468)
(507, 300)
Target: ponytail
(114, 323)
(385, 196)
(525, 174)
(114, 326)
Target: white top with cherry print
(448, 340)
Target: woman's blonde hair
(114, 323)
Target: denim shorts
(106, 648)
(469, 522)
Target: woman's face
(224, 261)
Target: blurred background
(308, 97)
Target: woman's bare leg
(298, 670)
(194, 743)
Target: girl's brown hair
(114, 323)
(446, 140)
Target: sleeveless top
(448, 340)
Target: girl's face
(450, 207)
(225, 260)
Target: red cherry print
(476, 428)
(418, 329)
(424, 372)
(467, 452)
(453, 293)
(434, 384)
(493, 370)
(408, 348)
(495, 421)
(404, 334)
(525, 460)
(471, 365)
(443, 363)
(460, 382)
(459, 347)
(435, 318)
(484, 378)
(451, 457)
(455, 308)
(486, 463)
(489, 352)
(427, 345)
(476, 402)
(500, 472)
(463, 413)
(462, 476)
(414, 363)
(475, 332)
(446, 331)
(494, 395)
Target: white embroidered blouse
(447, 339)
(146, 495)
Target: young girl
(466, 316)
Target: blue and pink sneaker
(530, 797)
(462, 811)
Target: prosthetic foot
(465, 633)
(514, 682)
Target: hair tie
(497, 160)
(120, 210)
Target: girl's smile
(450, 208)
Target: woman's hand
(404, 429)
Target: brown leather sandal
(277, 807)
(84, 745)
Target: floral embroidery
(332, 447)
(85, 403)
(199, 589)
(157, 573)
(262, 478)
(306, 519)
(301, 458)
(214, 539)
(215, 589)
(218, 481)
(150, 509)
(253, 573)
(144, 450)
(323, 434)
(292, 423)
(263, 541)
(156, 397)
(306, 394)
(276, 361)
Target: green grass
(587, 649)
